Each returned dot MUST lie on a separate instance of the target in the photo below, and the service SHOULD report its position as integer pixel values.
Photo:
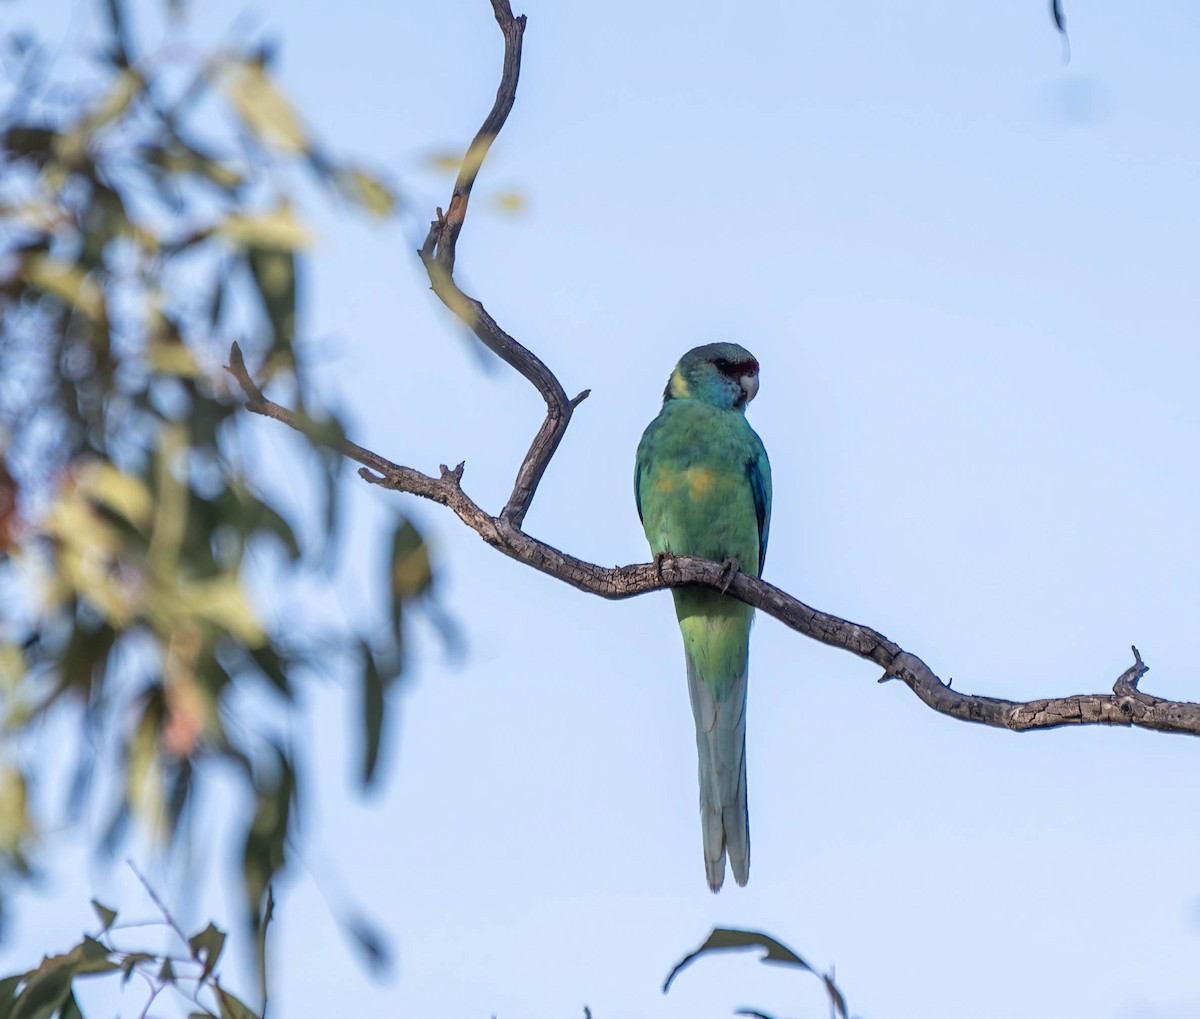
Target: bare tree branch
(1126, 705)
(437, 253)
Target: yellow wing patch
(677, 386)
(700, 481)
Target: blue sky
(969, 273)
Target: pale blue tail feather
(721, 748)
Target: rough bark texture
(1126, 705)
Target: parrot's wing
(759, 472)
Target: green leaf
(411, 572)
(373, 706)
(49, 986)
(166, 972)
(725, 938)
(70, 1009)
(206, 947)
(107, 916)
(8, 993)
(264, 852)
(90, 956)
(273, 523)
(232, 1008)
(274, 273)
(28, 141)
(271, 663)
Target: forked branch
(1126, 705)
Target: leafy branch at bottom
(48, 990)
(723, 938)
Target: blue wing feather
(759, 472)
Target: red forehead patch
(747, 367)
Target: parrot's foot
(730, 568)
(658, 561)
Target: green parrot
(703, 488)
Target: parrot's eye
(724, 366)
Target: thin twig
(162, 906)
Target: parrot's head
(722, 374)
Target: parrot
(702, 484)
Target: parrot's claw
(658, 561)
(730, 568)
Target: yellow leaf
(143, 770)
(443, 162)
(368, 191)
(12, 666)
(263, 108)
(221, 601)
(279, 229)
(121, 493)
(509, 201)
(66, 281)
(15, 826)
(170, 512)
(173, 359)
(128, 84)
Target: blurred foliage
(723, 939)
(148, 218)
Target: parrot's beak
(749, 384)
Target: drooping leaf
(373, 707)
(273, 667)
(274, 272)
(264, 851)
(120, 31)
(371, 942)
(411, 571)
(722, 939)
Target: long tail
(720, 713)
